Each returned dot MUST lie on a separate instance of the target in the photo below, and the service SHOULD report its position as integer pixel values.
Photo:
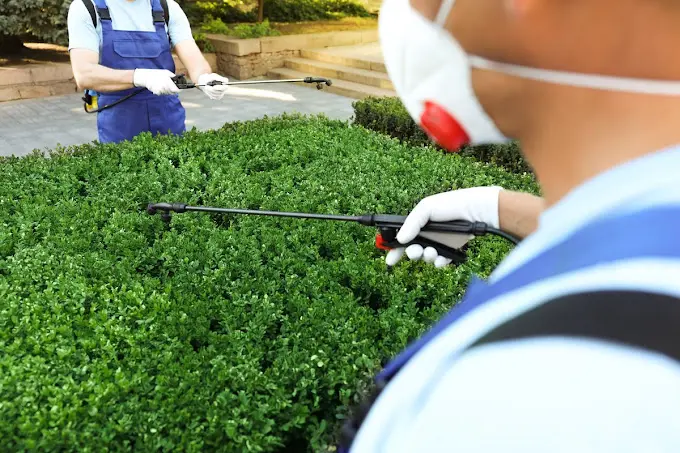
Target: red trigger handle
(381, 243)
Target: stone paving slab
(60, 120)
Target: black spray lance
(183, 84)
(388, 226)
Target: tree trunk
(10, 45)
(260, 10)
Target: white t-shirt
(543, 394)
(132, 15)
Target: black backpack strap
(163, 17)
(90, 8)
(166, 12)
(638, 319)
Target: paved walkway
(44, 123)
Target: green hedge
(240, 31)
(310, 10)
(203, 42)
(227, 11)
(389, 116)
(275, 10)
(215, 333)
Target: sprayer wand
(388, 226)
(182, 82)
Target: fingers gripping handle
(386, 239)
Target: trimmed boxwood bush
(389, 116)
(309, 10)
(275, 10)
(213, 333)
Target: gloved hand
(158, 81)
(215, 92)
(477, 204)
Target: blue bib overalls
(129, 50)
(608, 240)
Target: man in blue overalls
(119, 46)
(573, 344)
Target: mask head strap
(443, 13)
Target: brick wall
(246, 58)
(35, 80)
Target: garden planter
(246, 58)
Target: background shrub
(245, 31)
(34, 19)
(46, 20)
(310, 10)
(215, 333)
(203, 43)
(388, 115)
(240, 31)
(212, 25)
(233, 11)
(227, 11)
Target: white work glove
(477, 204)
(158, 81)
(215, 92)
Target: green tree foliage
(310, 10)
(43, 20)
(240, 31)
(231, 11)
(46, 20)
(214, 333)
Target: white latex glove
(477, 204)
(158, 81)
(215, 92)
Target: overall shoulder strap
(162, 14)
(90, 8)
(102, 10)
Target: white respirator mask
(431, 73)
